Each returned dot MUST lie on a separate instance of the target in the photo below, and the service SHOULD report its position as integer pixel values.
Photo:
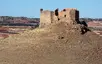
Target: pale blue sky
(30, 8)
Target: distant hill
(90, 19)
(9, 20)
(19, 21)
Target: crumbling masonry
(69, 15)
(48, 17)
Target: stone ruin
(69, 15)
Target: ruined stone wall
(54, 18)
(49, 17)
(69, 14)
(45, 18)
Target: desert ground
(56, 44)
(5, 31)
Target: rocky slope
(56, 44)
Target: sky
(31, 8)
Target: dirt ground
(56, 44)
(5, 31)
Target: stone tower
(48, 17)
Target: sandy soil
(52, 45)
